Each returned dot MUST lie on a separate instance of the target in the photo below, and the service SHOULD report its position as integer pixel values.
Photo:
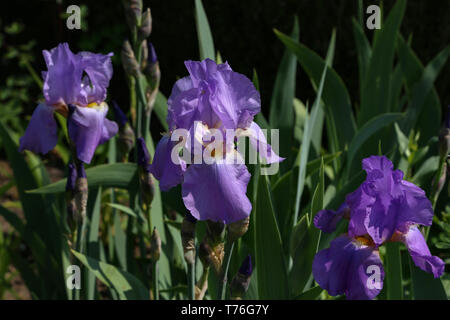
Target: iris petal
(235, 100)
(217, 192)
(326, 220)
(259, 143)
(41, 133)
(421, 255)
(62, 81)
(99, 69)
(163, 168)
(86, 129)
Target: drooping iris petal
(163, 168)
(217, 192)
(416, 208)
(98, 68)
(349, 268)
(41, 133)
(259, 143)
(110, 129)
(86, 128)
(62, 80)
(326, 220)
(236, 99)
(421, 255)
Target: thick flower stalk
(74, 86)
(212, 97)
(384, 208)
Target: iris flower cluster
(213, 96)
(75, 86)
(384, 208)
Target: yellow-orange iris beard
(63, 109)
(363, 240)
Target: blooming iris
(215, 97)
(383, 208)
(75, 86)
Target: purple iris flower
(75, 86)
(383, 208)
(346, 268)
(218, 98)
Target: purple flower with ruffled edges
(212, 97)
(384, 208)
(74, 85)
(349, 266)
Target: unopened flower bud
(442, 179)
(146, 25)
(144, 54)
(214, 244)
(145, 177)
(215, 231)
(151, 70)
(212, 254)
(238, 229)
(444, 142)
(81, 192)
(133, 12)
(70, 195)
(241, 280)
(188, 238)
(119, 115)
(129, 61)
(155, 245)
(125, 138)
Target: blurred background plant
(325, 132)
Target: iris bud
(444, 136)
(214, 245)
(444, 142)
(155, 245)
(188, 238)
(146, 26)
(153, 76)
(238, 229)
(125, 138)
(241, 281)
(133, 12)
(129, 61)
(145, 177)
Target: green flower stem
(394, 271)
(155, 280)
(191, 281)
(229, 246)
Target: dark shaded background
(242, 32)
